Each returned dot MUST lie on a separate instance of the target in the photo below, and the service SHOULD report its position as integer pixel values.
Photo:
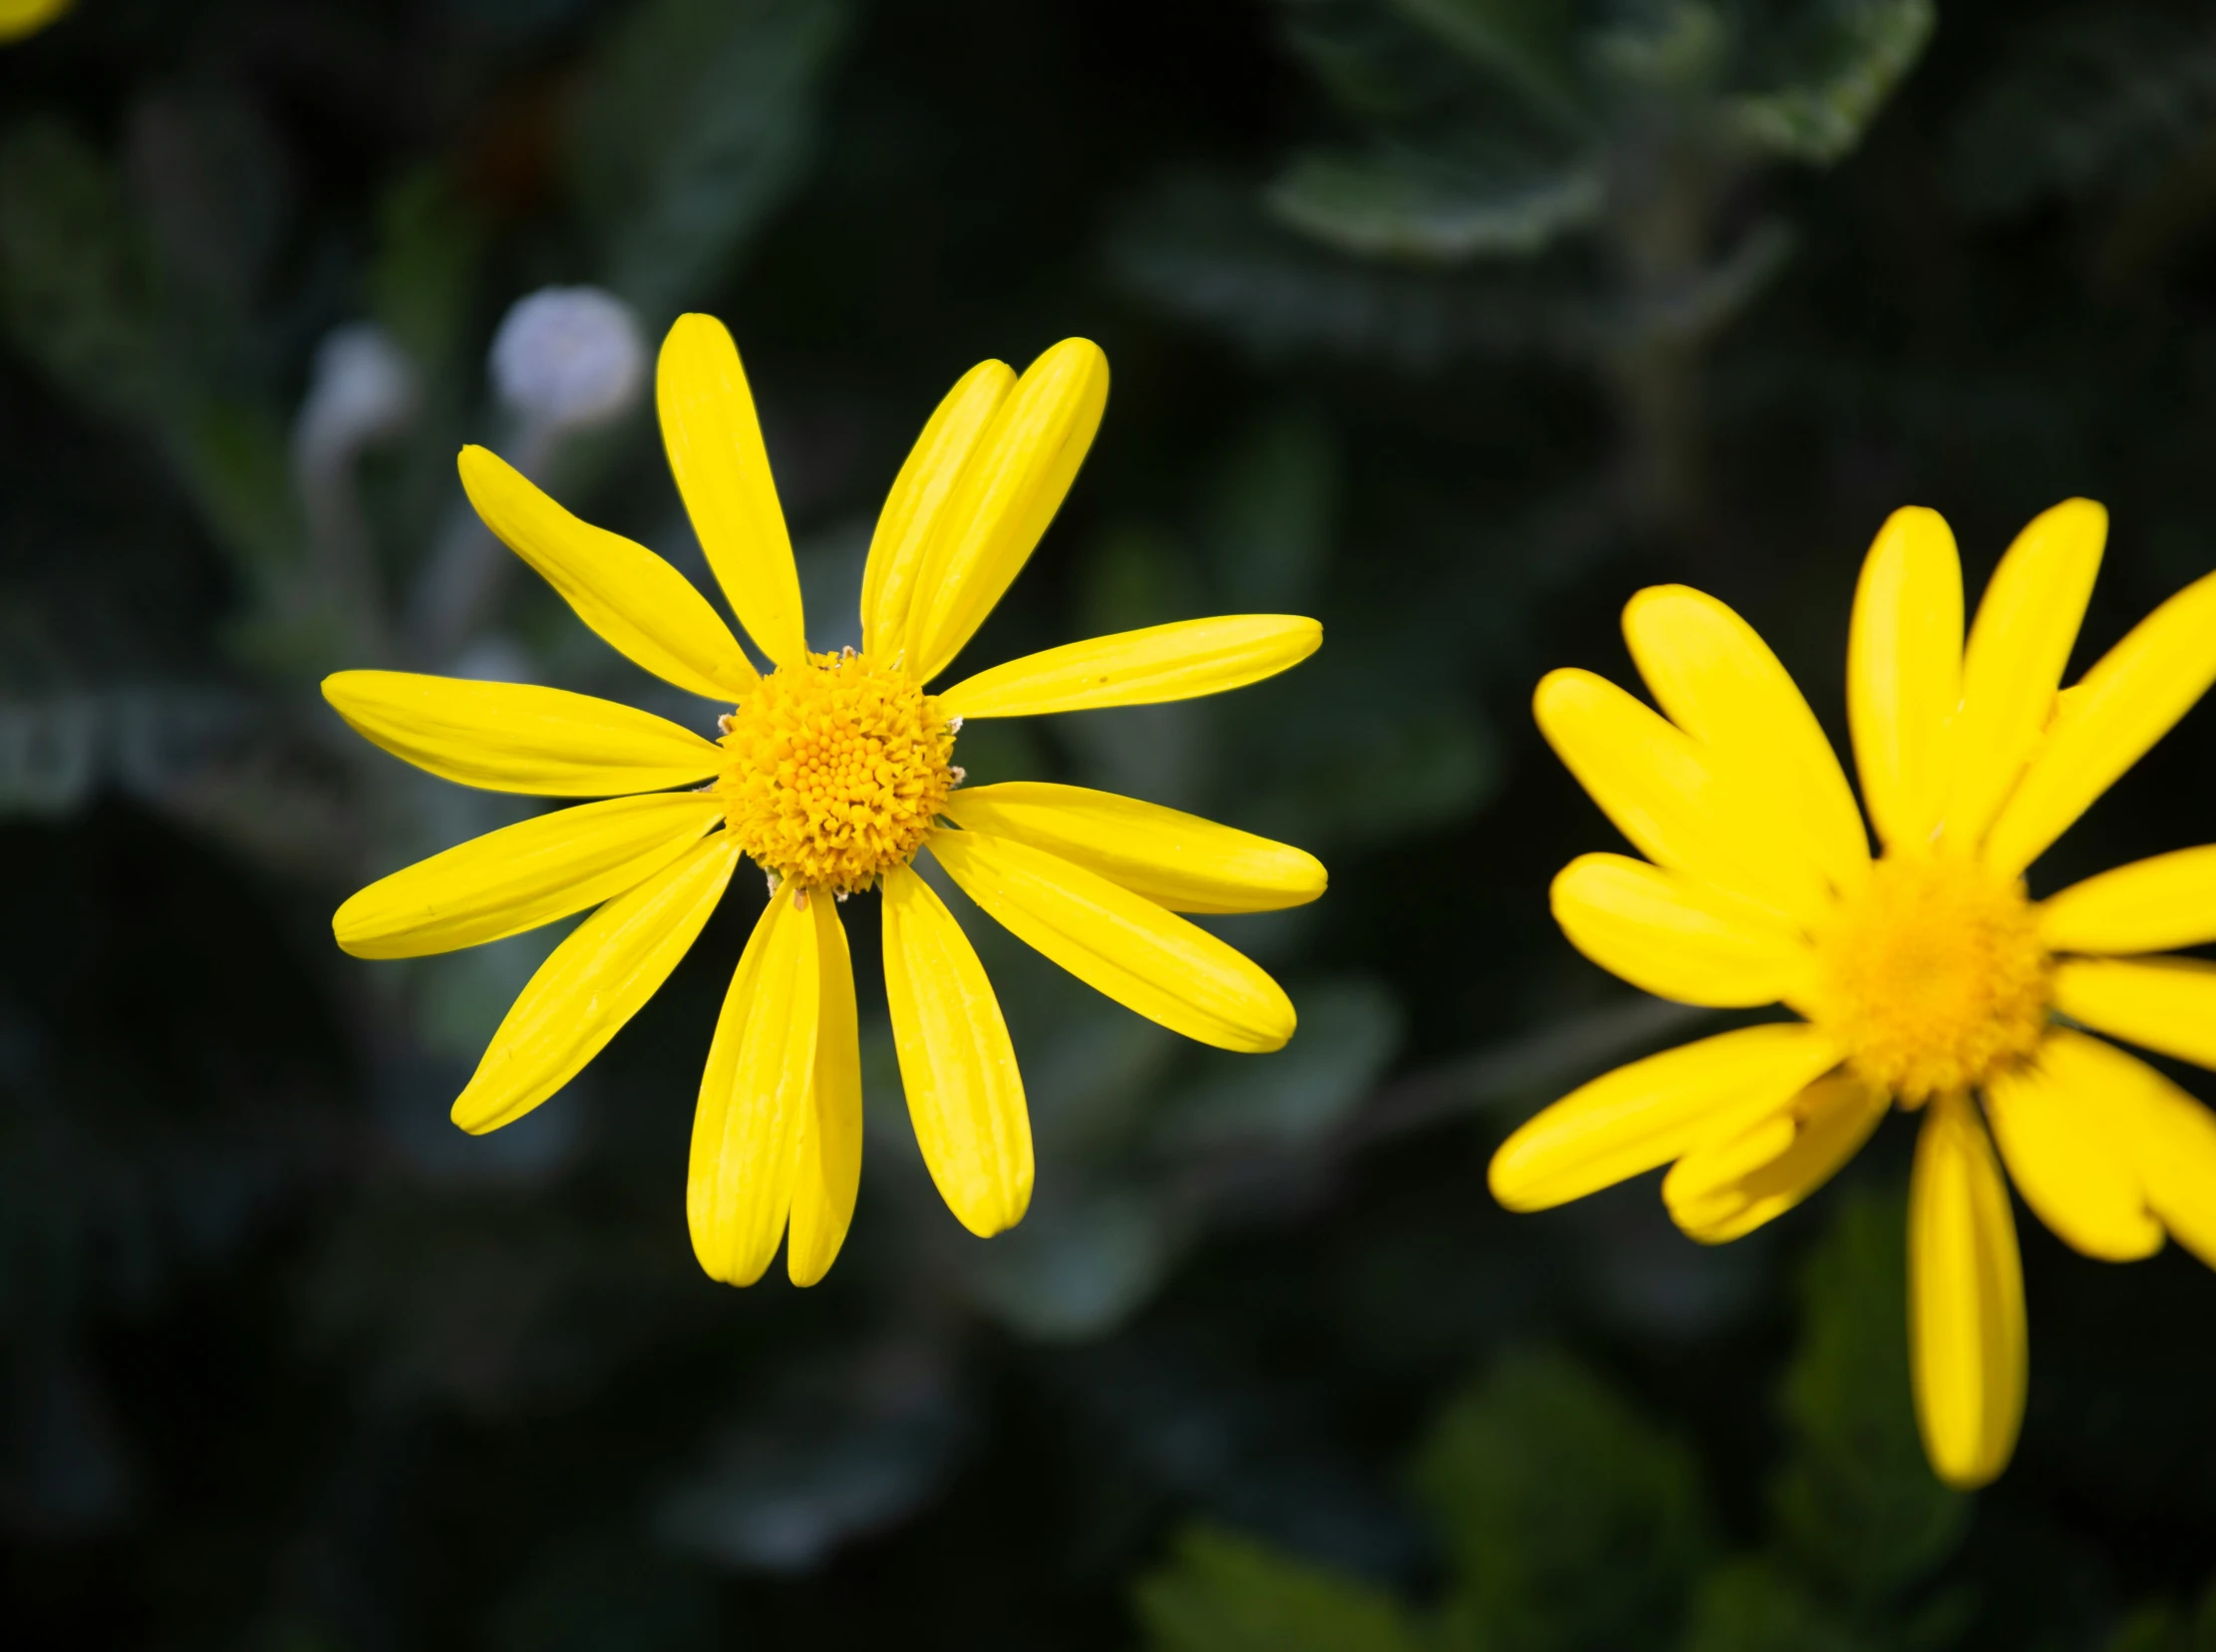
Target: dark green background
(1452, 322)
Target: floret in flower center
(834, 771)
(1932, 976)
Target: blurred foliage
(1568, 1523)
(1449, 321)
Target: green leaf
(1571, 1522)
(1225, 1593)
(1750, 1606)
(698, 123)
(76, 277)
(1529, 44)
(1850, 59)
(1856, 1505)
(1400, 203)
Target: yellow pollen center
(834, 771)
(1931, 976)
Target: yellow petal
(641, 606)
(2170, 1140)
(1964, 1300)
(1176, 860)
(754, 1097)
(595, 981)
(2164, 1004)
(831, 1132)
(522, 876)
(965, 1095)
(1180, 661)
(722, 471)
(1654, 1110)
(2147, 906)
(1904, 672)
(2018, 645)
(1009, 492)
(916, 507)
(1676, 938)
(1730, 1186)
(1669, 795)
(2123, 704)
(517, 737)
(1718, 680)
(1120, 945)
(2064, 1156)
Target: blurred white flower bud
(363, 389)
(569, 357)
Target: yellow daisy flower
(1926, 977)
(19, 18)
(831, 773)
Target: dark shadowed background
(1450, 322)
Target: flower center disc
(1932, 976)
(834, 771)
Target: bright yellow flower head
(19, 18)
(1926, 977)
(834, 773)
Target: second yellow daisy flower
(1926, 977)
(833, 772)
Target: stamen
(1932, 977)
(834, 772)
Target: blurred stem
(462, 587)
(343, 560)
(1665, 194)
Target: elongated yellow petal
(1730, 1186)
(1667, 794)
(2169, 1138)
(2064, 1157)
(754, 1097)
(2018, 645)
(644, 608)
(595, 981)
(1654, 1110)
(965, 1095)
(2164, 1004)
(1718, 680)
(1147, 960)
(517, 737)
(715, 449)
(1010, 491)
(1904, 672)
(1964, 1300)
(2147, 906)
(1674, 937)
(916, 507)
(522, 876)
(2125, 704)
(1181, 661)
(1176, 860)
(829, 1172)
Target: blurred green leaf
(1395, 202)
(76, 278)
(1849, 55)
(1749, 1606)
(2082, 105)
(1529, 44)
(1856, 1505)
(1571, 1522)
(698, 122)
(1220, 1592)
